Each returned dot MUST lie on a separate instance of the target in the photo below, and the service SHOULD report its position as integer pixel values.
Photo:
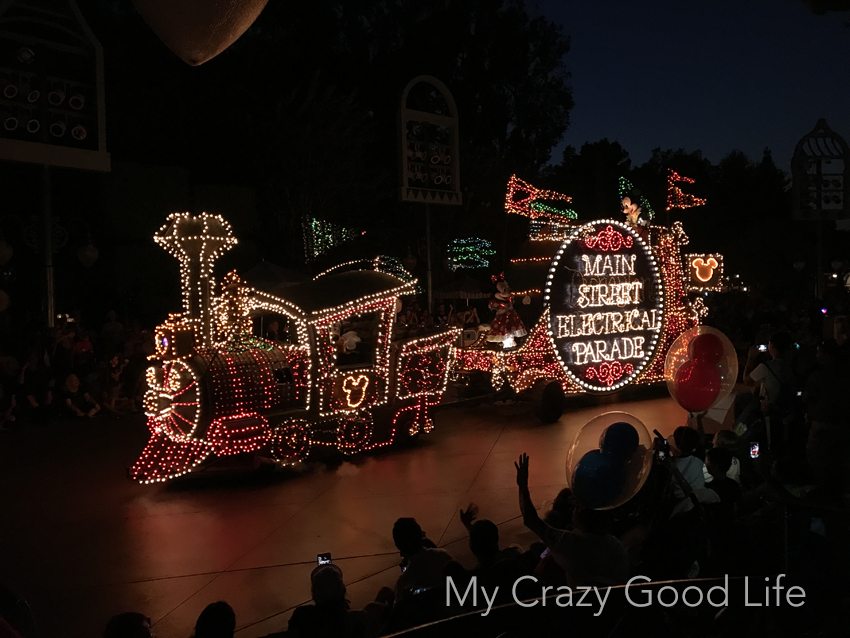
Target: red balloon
(706, 347)
(697, 385)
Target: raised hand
(521, 466)
(468, 516)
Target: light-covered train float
(605, 301)
(330, 375)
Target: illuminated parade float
(330, 376)
(611, 297)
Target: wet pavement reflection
(82, 542)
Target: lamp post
(54, 101)
(6, 252)
(47, 236)
(47, 239)
(430, 171)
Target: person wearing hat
(423, 565)
(329, 616)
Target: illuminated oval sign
(606, 301)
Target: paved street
(81, 542)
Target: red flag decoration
(676, 198)
(524, 199)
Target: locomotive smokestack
(197, 241)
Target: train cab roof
(332, 291)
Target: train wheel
(412, 420)
(404, 424)
(290, 443)
(354, 434)
(172, 402)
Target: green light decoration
(246, 342)
(320, 236)
(625, 188)
(567, 213)
(469, 253)
(393, 266)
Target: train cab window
(357, 343)
(275, 328)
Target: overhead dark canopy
(271, 277)
(337, 289)
(531, 275)
(462, 287)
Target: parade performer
(506, 326)
(634, 206)
(631, 209)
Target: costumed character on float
(507, 326)
(634, 205)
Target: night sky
(714, 75)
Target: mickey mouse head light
(705, 272)
(704, 269)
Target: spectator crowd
(767, 494)
(73, 372)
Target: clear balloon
(609, 460)
(690, 382)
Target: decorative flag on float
(320, 236)
(529, 201)
(676, 197)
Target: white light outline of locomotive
(214, 325)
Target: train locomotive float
(605, 300)
(331, 377)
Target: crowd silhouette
(767, 494)
(73, 371)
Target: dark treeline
(748, 216)
(304, 106)
(301, 113)
(299, 117)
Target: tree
(747, 211)
(824, 6)
(319, 161)
(590, 176)
(505, 69)
(303, 107)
